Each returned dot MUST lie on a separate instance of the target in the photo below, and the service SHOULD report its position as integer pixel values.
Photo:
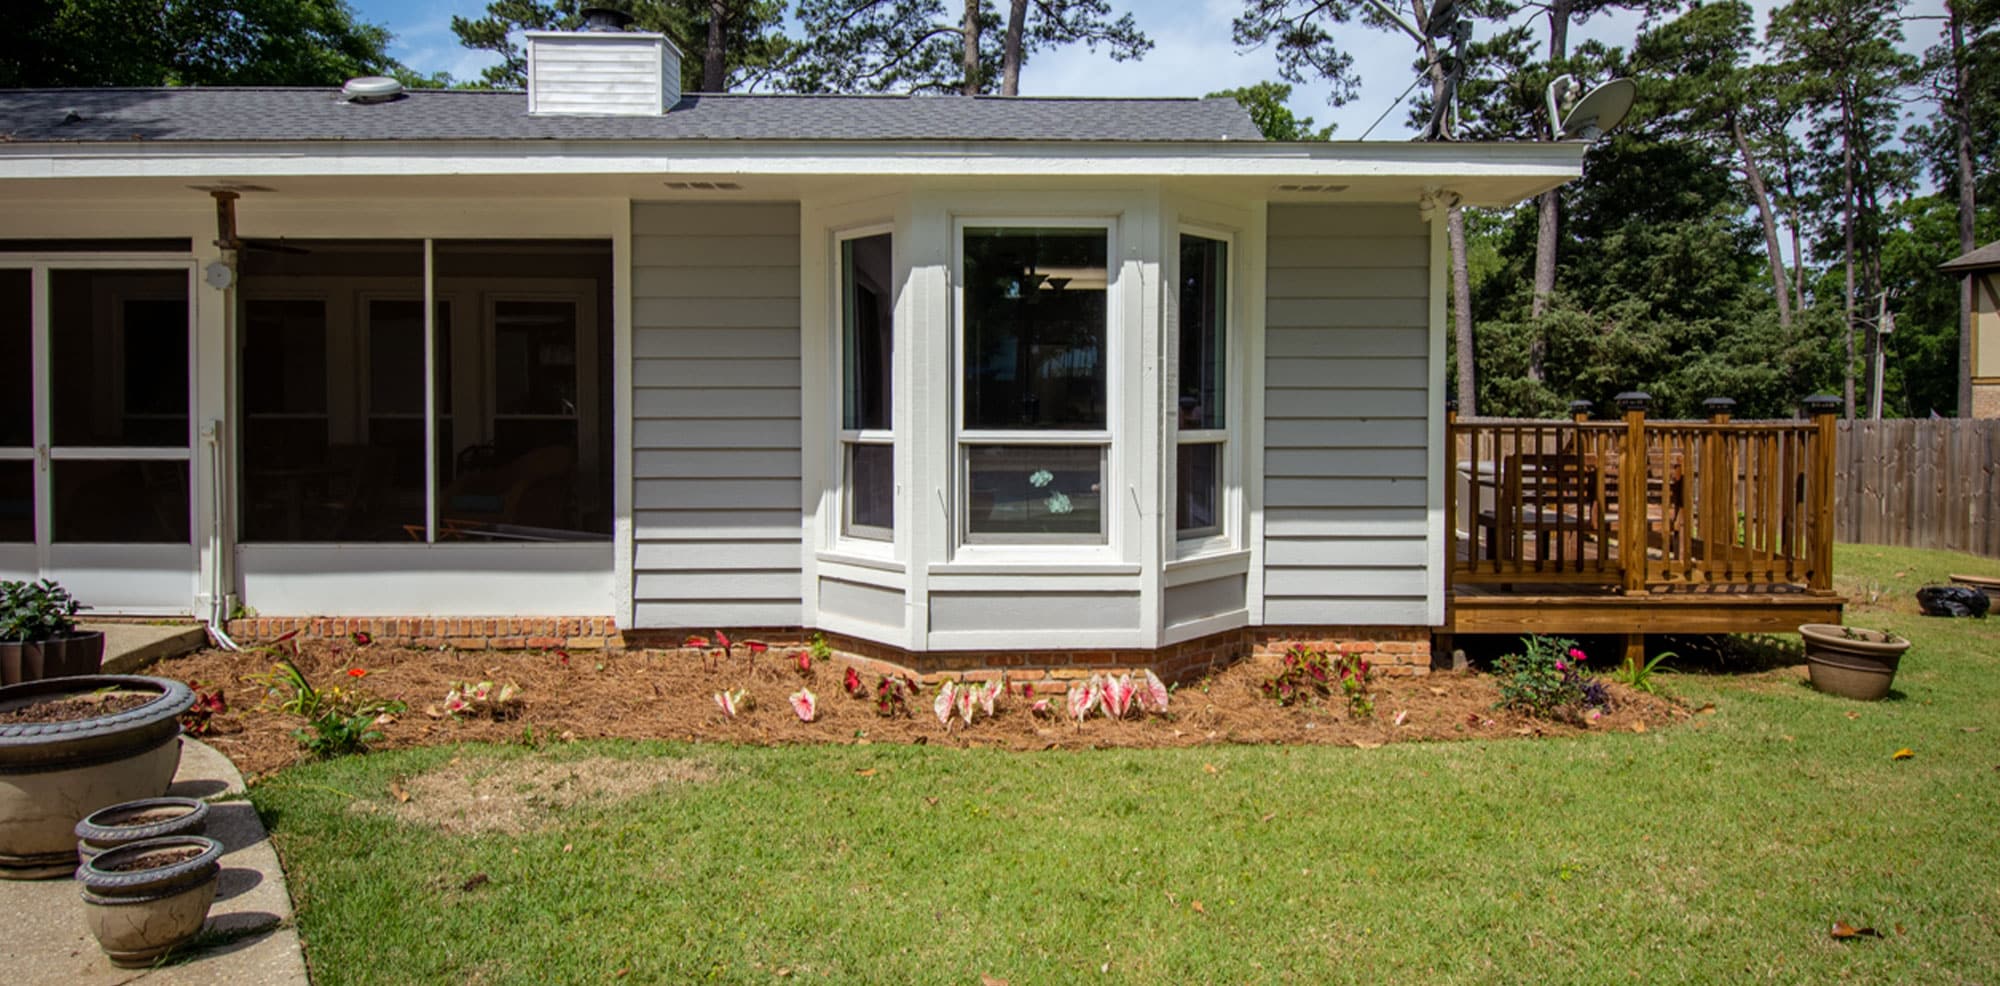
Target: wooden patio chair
(1544, 494)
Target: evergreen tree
(729, 44)
(1276, 121)
(927, 46)
(50, 43)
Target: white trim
(1182, 632)
(430, 421)
(1254, 287)
(1228, 534)
(551, 579)
(38, 320)
(1437, 536)
(623, 534)
(1203, 568)
(1547, 164)
(843, 534)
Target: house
(1981, 270)
(956, 381)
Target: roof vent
(605, 19)
(371, 89)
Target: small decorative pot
(57, 657)
(144, 898)
(135, 821)
(1850, 661)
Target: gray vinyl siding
(1183, 604)
(1346, 407)
(715, 415)
(997, 612)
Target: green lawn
(1717, 852)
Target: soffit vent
(1323, 189)
(703, 186)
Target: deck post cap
(1580, 407)
(1822, 404)
(1451, 405)
(1634, 400)
(1718, 405)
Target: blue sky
(1192, 56)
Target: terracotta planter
(1985, 584)
(52, 774)
(59, 657)
(1850, 661)
(142, 899)
(137, 821)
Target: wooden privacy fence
(1643, 505)
(1920, 483)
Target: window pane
(1198, 490)
(867, 332)
(121, 502)
(17, 501)
(1035, 490)
(1035, 328)
(119, 357)
(17, 362)
(318, 464)
(525, 452)
(871, 488)
(1204, 308)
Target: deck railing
(1642, 505)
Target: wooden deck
(1634, 527)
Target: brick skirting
(1392, 650)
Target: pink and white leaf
(967, 697)
(991, 694)
(806, 704)
(942, 705)
(727, 703)
(1040, 709)
(1083, 699)
(1152, 693)
(1118, 695)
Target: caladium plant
(966, 698)
(733, 703)
(942, 705)
(1118, 694)
(806, 704)
(483, 698)
(1152, 693)
(852, 682)
(1083, 700)
(991, 694)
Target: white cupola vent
(602, 70)
(371, 89)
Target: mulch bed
(668, 695)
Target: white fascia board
(1446, 162)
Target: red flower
(357, 672)
(362, 638)
(1028, 690)
(853, 682)
(805, 661)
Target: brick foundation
(457, 633)
(1391, 650)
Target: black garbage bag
(1952, 600)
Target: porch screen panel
(525, 390)
(330, 330)
(17, 395)
(118, 358)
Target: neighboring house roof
(1984, 258)
(196, 114)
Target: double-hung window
(867, 359)
(1202, 435)
(1034, 434)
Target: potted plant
(1852, 661)
(38, 635)
(135, 821)
(144, 898)
(69, 746)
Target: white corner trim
(1436, 534)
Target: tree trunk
(1461, 312)
(971, 31)
(1010, 51)
(1792, 226)
(1967, 205)
(1549, 204)
(1780, 283)
(714, 68)
(1847, 254)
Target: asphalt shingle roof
(1984, 258)
(95, 115)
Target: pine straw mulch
(668, 695)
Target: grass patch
(1720, 851)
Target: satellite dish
(1597, 113)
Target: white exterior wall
(1349, 379)
(715, 415)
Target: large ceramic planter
(143, 899)
(1985, 584)
(137, 821)
(52, 774)
(58, 657)
(1850, 661)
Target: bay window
(867, 359)
(1202, 392)
(1034, 431)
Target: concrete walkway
(249, 928)
(130, 647)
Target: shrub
(36, 611)
(1312, 675)
(1548, 680)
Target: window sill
(1212, 565)
(860, 558)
